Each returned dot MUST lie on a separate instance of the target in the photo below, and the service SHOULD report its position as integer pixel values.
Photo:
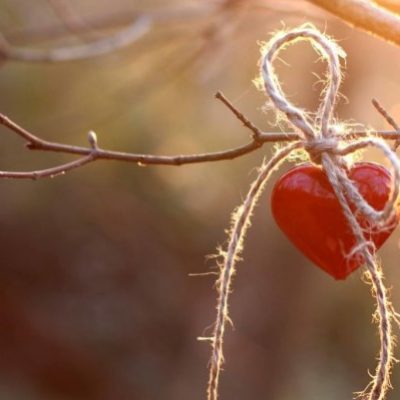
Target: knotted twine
(323, 143)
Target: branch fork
(95, 153)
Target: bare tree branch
(94, 152)
(367, 15)
(123, 38)
(364, 14)
(115, 20)
(143, 21)
(140, 26)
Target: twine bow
(324, 145)
(321, 140)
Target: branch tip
(389, 119)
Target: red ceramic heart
(308, 212)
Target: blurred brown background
(96, 301)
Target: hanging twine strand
(240, 224)
(323, 144)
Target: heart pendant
(306, 209)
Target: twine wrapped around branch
(327, 148)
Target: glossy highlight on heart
(306, 209)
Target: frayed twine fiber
(325, 147)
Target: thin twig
(49, 172)
(389, 119)
(246, 122)
(367, 15)
(259, 138)
(385, 115)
